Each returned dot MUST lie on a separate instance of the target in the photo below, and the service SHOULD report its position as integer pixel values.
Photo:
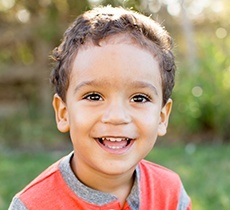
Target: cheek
(148, 125)
(81, 121)
(78, 114)
(150, 119)
(78, 121)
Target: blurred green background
(200, 121)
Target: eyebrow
(93, 83)
(104, 84)
(142, 84)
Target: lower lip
(120, 151)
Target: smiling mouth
(115, 143)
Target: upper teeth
(114, 139)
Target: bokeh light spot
(197, 91)
(221, 33)
(23, 15)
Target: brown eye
(93, 97)
(140, 98)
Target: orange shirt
(155, 187)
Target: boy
(114, 75)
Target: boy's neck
(118, 185)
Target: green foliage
(201, 107)
(31, 130)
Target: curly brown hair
(102, 22)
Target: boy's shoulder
(160, 187)
(154, 168)
(158, 175)
(43, 177)
(44, 186)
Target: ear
(61, 114)
(164, 118)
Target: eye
(93, 97)
(140, 98)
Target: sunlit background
(29, 30)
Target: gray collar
(94, 196)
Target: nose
(116, 113)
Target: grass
(204, 171)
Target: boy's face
(113, 107)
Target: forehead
(137, 40)
(117, 41)
(116, 61)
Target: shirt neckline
(94, 196)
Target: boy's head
(113, 78)
(101, 23)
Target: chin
(117, 169)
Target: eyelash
(142, 97)
(138, 98)
(93, 96)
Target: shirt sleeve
(17, 204)
(184, 201)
